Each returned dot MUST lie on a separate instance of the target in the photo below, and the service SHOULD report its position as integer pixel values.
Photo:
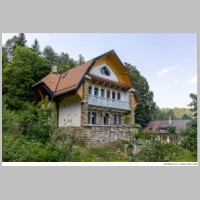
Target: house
(91, 98)
(161, 128)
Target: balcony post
(131, 102)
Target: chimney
(170, 121)
(54, 69)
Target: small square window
(119, 96)
(105, 119)
(96, 91)
(108, 93)
(115, 119)
(120, 119)
(102, 92)
(113, 95)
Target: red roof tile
(51, 80)
(70, 79)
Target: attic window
(104, 70)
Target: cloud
(193, 79)
(166, 70)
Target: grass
(187, 156)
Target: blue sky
(167, 60)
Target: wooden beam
(41, 95)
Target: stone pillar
(84, 103)
(131, 101)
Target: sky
(167, 60)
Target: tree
(193, 104)
(81, 60)
(50, 55)
(21, 40)
(65, 63)
(26, 68)
(146, 106)
(171, 129)
(189, 140)
(36, 47)
(9, 47)
(4, 56)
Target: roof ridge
(58, 83)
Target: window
(96, 91)
(104, 70)
(120, 119)
(92, 118)
(113, 95)
(108, 93)
(102, 92)
(105, 119)
(115, 119)
(118, 95)
(90, 90)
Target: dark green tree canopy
(50, 55)
(26, 68)
(146, 106)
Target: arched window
(105, 71)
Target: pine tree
(81, 60)
(36, 47)
(21, 40)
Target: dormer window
(105, 71)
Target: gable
(113, 63)
(104, 71)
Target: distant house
(160, 127)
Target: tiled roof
(70, 79)
(51, 80)
(62, 83)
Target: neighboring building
(160, 128)
(91, 98)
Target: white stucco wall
(125, 96)
(69, 113)
(96, 71)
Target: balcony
(111, 103)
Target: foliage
(21, 40)
(17, 148)
(189, 139)
(26, 68)
(65, 62)
(50, 55)
(9, 48)
(193, 104)
(171, 129)
(173, 113)
(81, 60)
(38, 122)
(36, 47)
(159, 152)
(146, 106)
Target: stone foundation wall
(99, 135)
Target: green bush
(17, 148)
(159, 152)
